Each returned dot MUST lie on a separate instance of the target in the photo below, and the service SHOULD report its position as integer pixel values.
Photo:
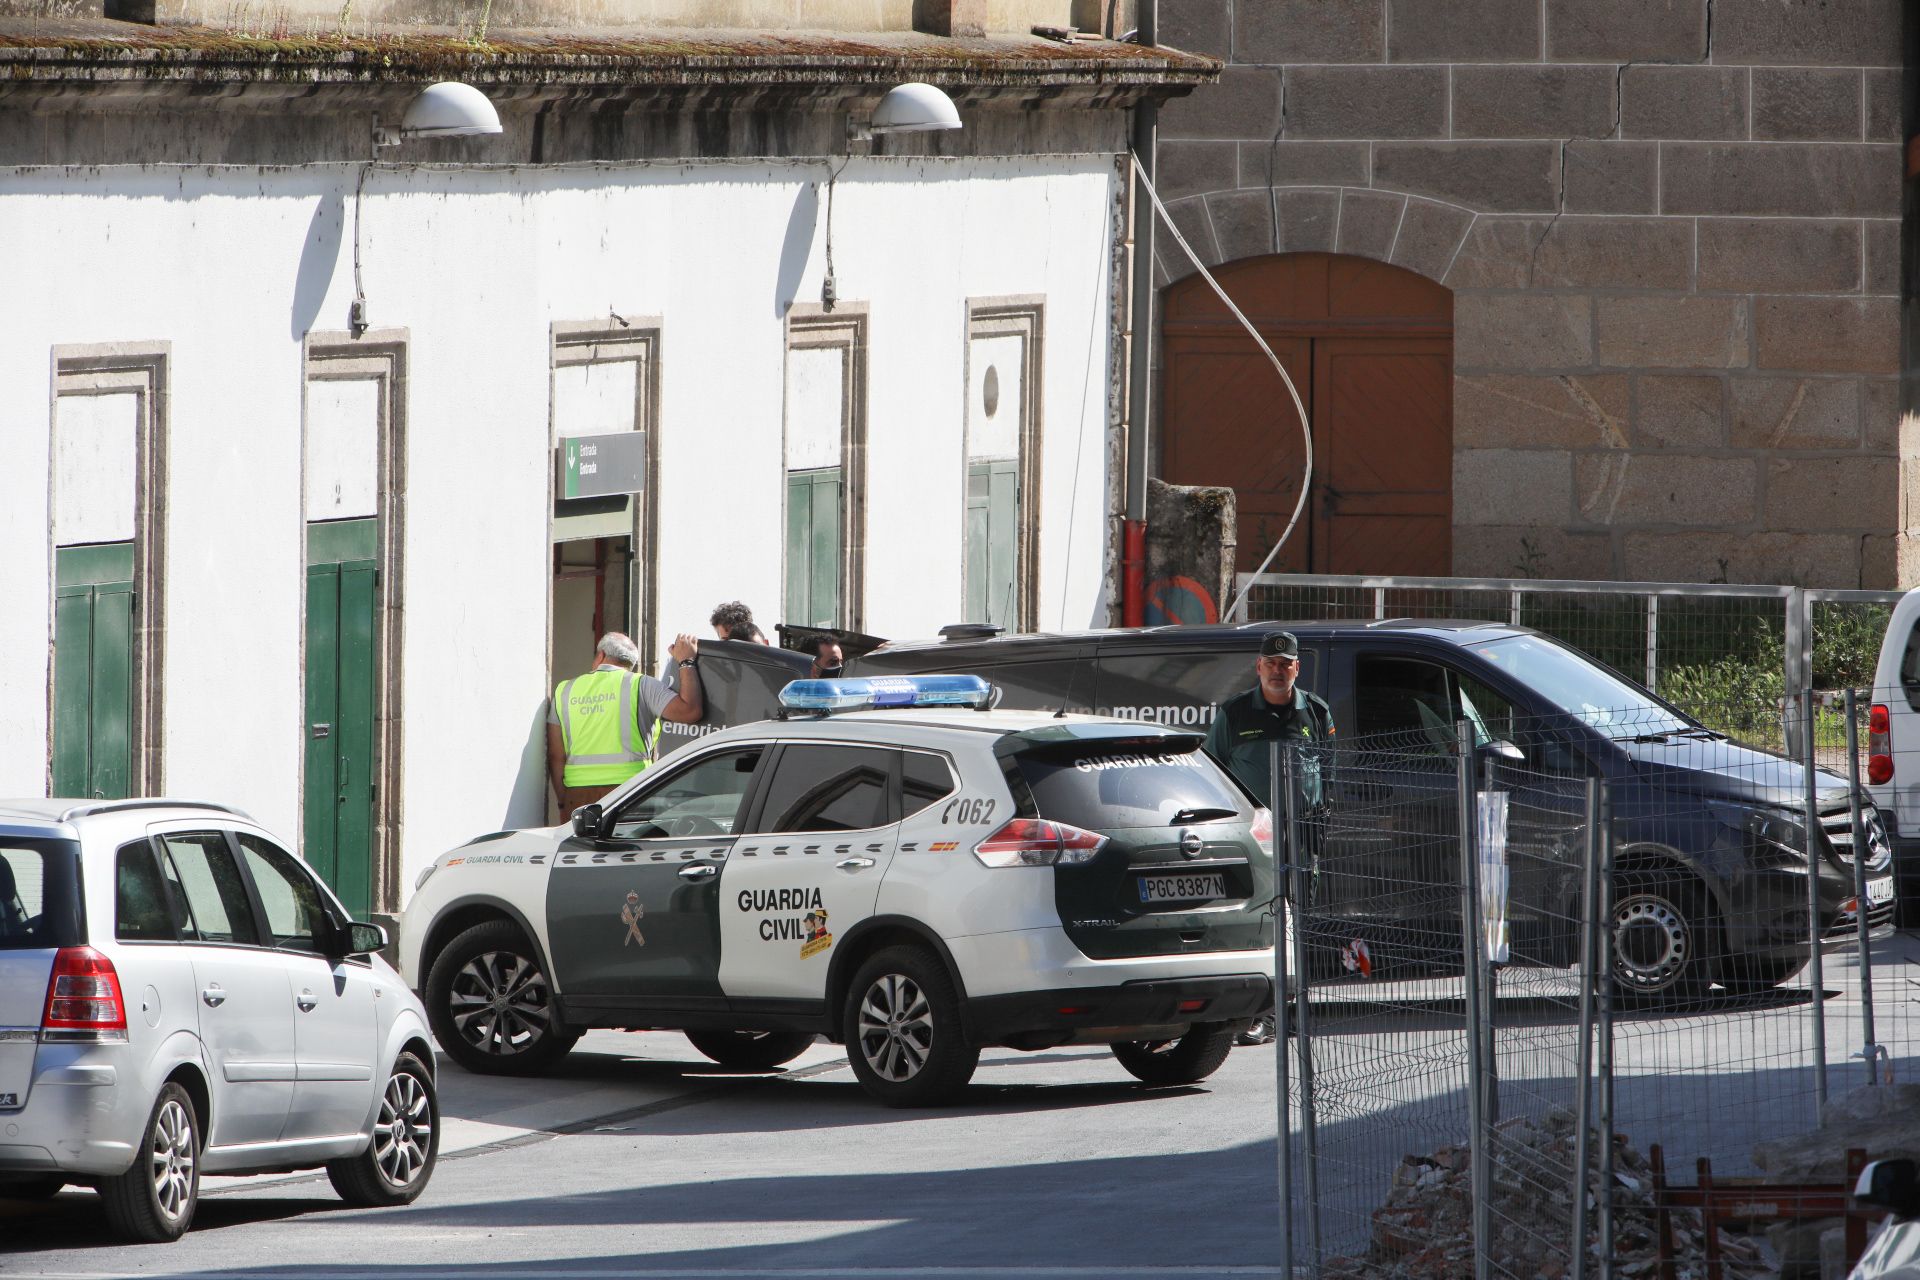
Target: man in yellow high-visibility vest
(602, 727)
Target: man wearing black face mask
(828, 661)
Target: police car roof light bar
(881, 692)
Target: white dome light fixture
(914, 107)
(448, 109)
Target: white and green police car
(892, 865)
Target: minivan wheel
(1661, 949)
(901, 1022)
(1194, 1056)
(153, 1202)
(751, 1050)
(396, 1165)
(491, 1006)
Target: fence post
(1583, 1084)
(1869, 1050)
(1813, 836)
(1798, 667)
(1473, 952)
(1301, 891)
(1653, 641)
(1282, 1024)
(1379, 603)
(1604, 944)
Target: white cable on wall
(1239, 603)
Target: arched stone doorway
(1370, 346)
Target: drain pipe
(1133, 554)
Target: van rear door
(1181, 687)
(39, 914)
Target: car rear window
(39, 895)
(1104, 786)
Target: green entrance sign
(600, 466)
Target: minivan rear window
(1103, 786)
(39, 895)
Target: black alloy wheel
(491, 1006)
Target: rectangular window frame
(1021, 316)
(811, 327)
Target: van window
(1404, 697)
(142, 911)
(1182, 689)
(1102, 786)
(1910, 669)
(204, 872)
(39, 895)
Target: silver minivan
(180, 995)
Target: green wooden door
(341, 597)
(993, 542)
(813, 547)
(93, 671)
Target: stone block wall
(1673, 233)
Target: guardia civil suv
(891, 865)
(180, 995)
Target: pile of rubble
(1425, 1229)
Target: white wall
(234, 266)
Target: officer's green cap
(1283, 644)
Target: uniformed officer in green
(1245, 725)
(602, 727)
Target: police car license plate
(1880, 890)
(1187, 888)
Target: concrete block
(1308, 221)
(1245, 104)
(1242, 223)
(1275, 31)
(1517, 411)
(1579, 253)
(1195, 168)
(950, 17)
(1879, 562)
(1198, 26)
(1303, 164)
(1610, 177)
(1880, 414)
(1673, 489)
(1533, 102)
(1463, 31)
(1772, 179)
(1498, 177)
(1526, 331)
(1796, 413)
(1828, 335)
(1673, 332)
(1830, 33)
(1779, 255)
(1807, 104)
(1534, 551)
(1430, 235)
(1368, 222)
(1907, 560)
(1680, 411)
(1512, 486)
(1627, 30)
(1858, 493)
(1883, 105)
(1683, 102)
(1883, 256)
(1805, 559)
(1366, 102)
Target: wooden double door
(1370, 349)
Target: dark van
(1712, 875)
(741, 682)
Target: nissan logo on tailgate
(1189, 843)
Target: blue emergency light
(876, 692)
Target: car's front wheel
(1662, 941)
(1193, 1057)
(491, 1006)
(153, 1202)
(751, 1050)
(902, 1027)
(396, 1165)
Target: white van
(1890, 747)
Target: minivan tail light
(1879, 745)
(83, 997)
(1038, 842)
(1262, 829)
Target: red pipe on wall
(1133, 574)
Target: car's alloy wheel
(901, 1024)
(399, 1160)
(896, 1028)
(153, 1202)
(172, 1159)
(491, 1005)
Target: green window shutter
(93, 671)
(813, 547)
(341, 672)
(993, 542)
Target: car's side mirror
(586, 821)
(1893, 1185)
(365, 939)
(1501, 752)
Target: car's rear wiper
(1201, 814)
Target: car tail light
(1036, 842)
(83, 996)
(1879, 745)
(1262, 829)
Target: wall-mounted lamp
(448, 109)
(913, 107)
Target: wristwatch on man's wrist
(690, 662)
